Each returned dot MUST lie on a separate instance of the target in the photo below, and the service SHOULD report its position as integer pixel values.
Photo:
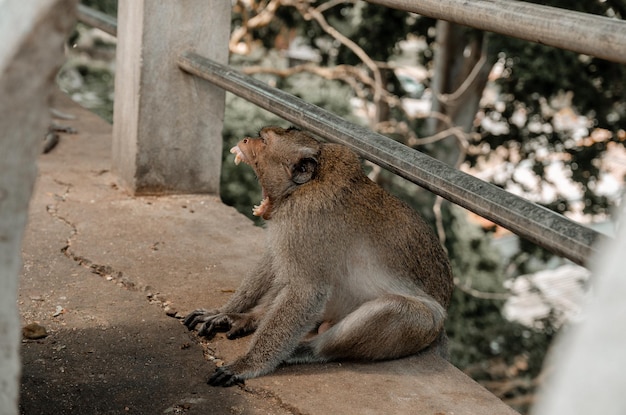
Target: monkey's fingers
(241, 327)
(236, 333)
(213, 325)
(223, 376)
(198, 316)
(190, 319)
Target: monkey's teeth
(239, 156)
(260, 209)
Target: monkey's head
(282, 159)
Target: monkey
(350, 272)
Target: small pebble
(59, 310)
(34, 331)
(170, 311)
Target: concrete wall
(31, 49)
(167, 127)
(588, 362)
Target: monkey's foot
(223, 376)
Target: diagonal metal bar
(529, 220)
(96, 18)
(593, 35)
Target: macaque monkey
(350, 272)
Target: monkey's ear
(303, 170)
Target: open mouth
(263, 209)
(239, 156)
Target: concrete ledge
(105, 271)
(417, 385)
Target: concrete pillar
(167, 125)
(31, 50)
(587, 365)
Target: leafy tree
(535, 78)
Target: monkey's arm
(258, 282)
(237, 316)
(294, 312)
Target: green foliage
(475, 264)
(87, 75)
(106, 6)
(93, 89)
(479, 333)
(368, 26)
(477, 329)
(333, 96)
(482, 341)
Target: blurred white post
(588, 363)
(31, 50)
(167, 125)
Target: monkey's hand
(198, 316)
(223, 376)
(234, 324)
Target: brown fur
(350, 272)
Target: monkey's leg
(387, 327)
(293, 313)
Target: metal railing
(97, 19)
(593, 35)
(529, 220)
(526, 219)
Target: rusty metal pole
(529, 220)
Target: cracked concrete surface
(107, 273)
(101, 270)
(93, 276)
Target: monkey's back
(343, 206)
(404, 242)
